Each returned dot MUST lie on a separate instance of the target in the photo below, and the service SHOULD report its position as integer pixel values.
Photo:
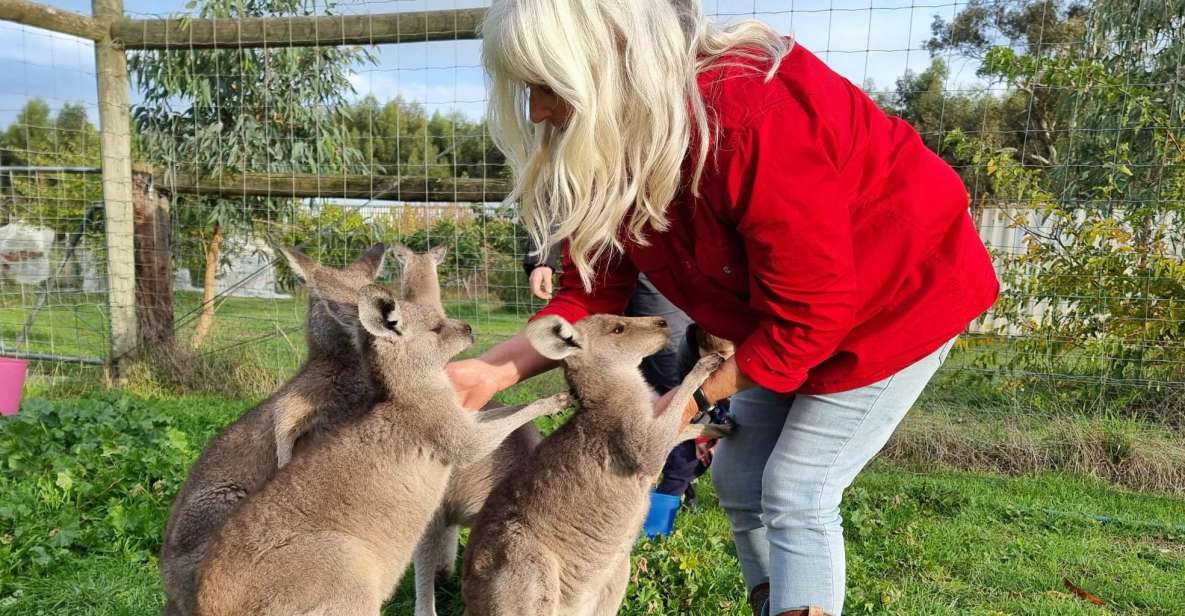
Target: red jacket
(828, 241)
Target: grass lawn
(89, 482)
(88, 474)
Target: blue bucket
(661, 518)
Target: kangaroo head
(420, 283)
(333, 295)
(405, 337)
(599, 340)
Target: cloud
(37, 63)
(859, 42)
(466, 96)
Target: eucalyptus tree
(1097, 184)
(214, 112)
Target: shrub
(90, 477)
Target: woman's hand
(474, 382)
(507, 363)
(541, 282)
(721, 384)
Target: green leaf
(64, 480)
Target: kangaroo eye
(439, 328)
(620, 329)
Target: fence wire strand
(1061, 118)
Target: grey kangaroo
(335, 529)
(419, 284)
(555, 538)
(467, 491)
(237, 462)
(468, 487)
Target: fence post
(116, 146)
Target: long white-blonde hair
(627, 69)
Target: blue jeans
(780, 479)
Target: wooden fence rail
(393, 188)
(50, 18)
(310, 31)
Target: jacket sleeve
(532, 260)
(793, 214)
(612, 287)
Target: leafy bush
(88, 478)
(508, 282)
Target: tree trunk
(154, 271)
(213, 257)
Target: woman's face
(547, 106)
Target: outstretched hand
(471, 378)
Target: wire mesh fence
(366, 125)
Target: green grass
(87, 475)
(88, 481)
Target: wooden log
(115, 142)
(393, 188)
(154, 271)
(305, 31)
(50, 18)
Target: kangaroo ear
(302, 265)
(554, 337)
(438, 253)
(379, 313)
(401, 252)
(370, 263)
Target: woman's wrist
(503, 374)
(725, 381)
(513, 361)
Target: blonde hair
(628, 70)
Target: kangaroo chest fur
(577, 499)
(241, 459)
(361, 495)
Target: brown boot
(758, 596)
(813, 610)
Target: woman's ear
(553, 337)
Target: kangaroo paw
(551, 404)
(703, 368)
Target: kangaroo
(555, 537)
(468, 489)
(436, 554)
(238, 461)
(419, 284)
(335, 529)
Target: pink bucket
(12, 380)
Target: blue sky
(861, 39)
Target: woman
(771, 200)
